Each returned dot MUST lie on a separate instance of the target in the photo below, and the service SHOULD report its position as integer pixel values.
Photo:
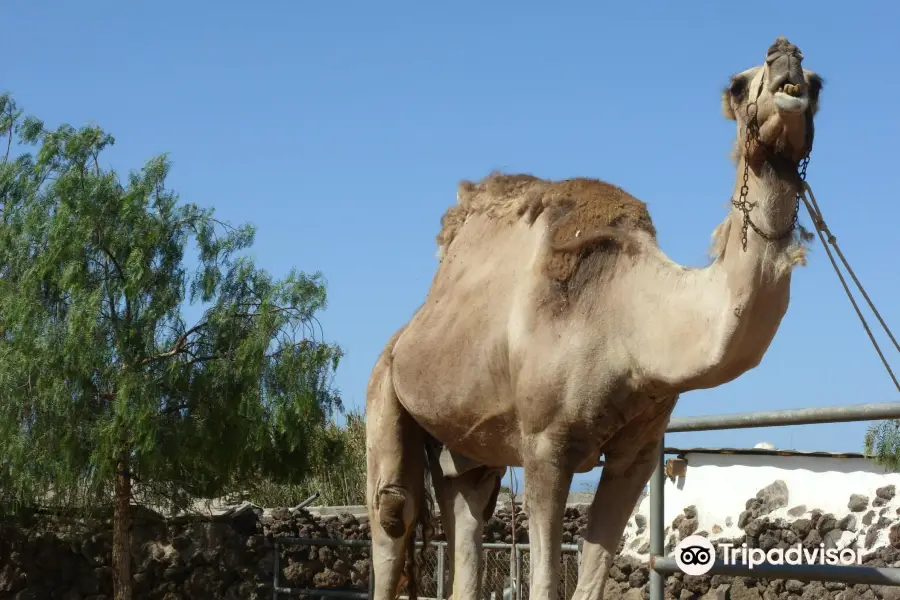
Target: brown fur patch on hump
(582, 213)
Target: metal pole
(512, 563)
(306, 502)
(326, 542)
(440, 571)
(371, 577)
(275, 582)
(794, 416)
(326, 593)
(657, 527)
(801, 572)
(519, 561)
(578, 558)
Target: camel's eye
(737, 88)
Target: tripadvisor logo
(695, 555)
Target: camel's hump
(575, 207)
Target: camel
(556, 330)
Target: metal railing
(660, 565)
(499, 580)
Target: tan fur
(499, 381)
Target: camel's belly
(494, 443)
(459, 403)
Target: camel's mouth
(791, 98)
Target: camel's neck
(712, 324)
(759, 265)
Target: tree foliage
(97, 361)
(882, 443)
(340, 480)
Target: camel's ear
(814, 82)
(734, 95)
(727, 110)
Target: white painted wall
(719, 485)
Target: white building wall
(719, 485)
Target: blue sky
(341, 132)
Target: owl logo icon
(695, 555)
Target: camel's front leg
(547, 482)
(467, 501)
(630, 459)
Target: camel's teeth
(791, 89)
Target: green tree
(340, 480)
(882, 442)
(104, 386)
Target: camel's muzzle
(785, 77)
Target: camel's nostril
(778, 81)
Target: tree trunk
(121, 550)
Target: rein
(809, 199)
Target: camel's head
(783, 97)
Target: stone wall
(46, 558)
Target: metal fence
(660, 565)
(500, 584)
(499, 580)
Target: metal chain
(746, 206)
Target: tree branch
(179, 347)
(202, 359)
(276, 310)
(113, 313)
(121, 276)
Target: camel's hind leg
(395, 481)
(467, 500)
